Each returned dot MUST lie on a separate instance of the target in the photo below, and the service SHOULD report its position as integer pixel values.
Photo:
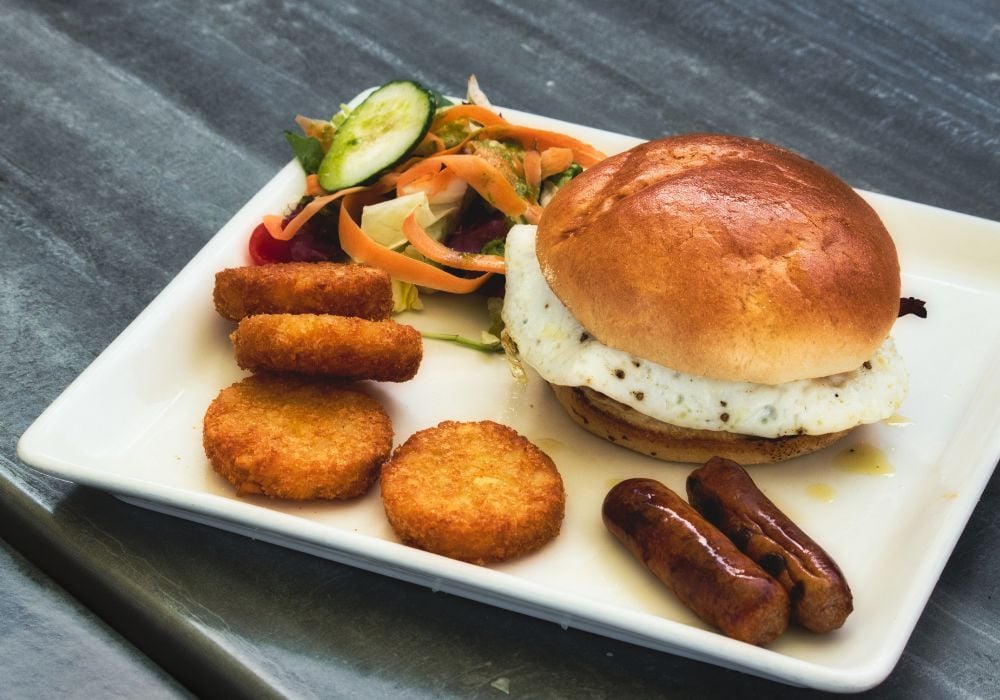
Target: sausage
(723, 586)
(725, 494)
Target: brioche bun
(722, 257)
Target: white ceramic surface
(131, 424)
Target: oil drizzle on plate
(864, 458)
(548, 445)
(822, 492)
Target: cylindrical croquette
(304, 288)
(325, 345)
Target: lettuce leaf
(383, 222)
(308, 151)
(405, 297)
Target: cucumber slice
(378, 134)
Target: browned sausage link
(725, 494)
(703, 568)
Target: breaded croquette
(334, 346)
(304, 288)
(296, 438)
(472, 491)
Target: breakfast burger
(707, 295)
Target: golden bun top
(724, 257)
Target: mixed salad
(420, 186)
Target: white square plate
(131, 424)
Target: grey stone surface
(133, 131)
(49, 642)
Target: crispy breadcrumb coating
(335, 346)
(304, 287)
(291, 437)
(473, 491)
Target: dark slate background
(133, 131)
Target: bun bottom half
(624, 426)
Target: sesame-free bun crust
(623, 425)
(723, 257)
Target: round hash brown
(303, 288)
(478, 492)
(334, 346)
(289, 437)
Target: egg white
(553, 342)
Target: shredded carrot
(476, 113)
(431, 143)
(533, 170)
(486, 180)
(555, 160)
(400, 169)
(308, 212)
(433, 185)
(440, 253)
(319, 129)
(533, 213)
(583, 153)
(385, 183)
(422, 171)
(359, 246)
(313, 188)
(272, 223)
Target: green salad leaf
(405, 297)
(494, 305)
(307, 150)
(440, 101)
(560, 179)
(487, 342)
(494, 247)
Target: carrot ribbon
(359, 246)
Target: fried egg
(553, 342)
